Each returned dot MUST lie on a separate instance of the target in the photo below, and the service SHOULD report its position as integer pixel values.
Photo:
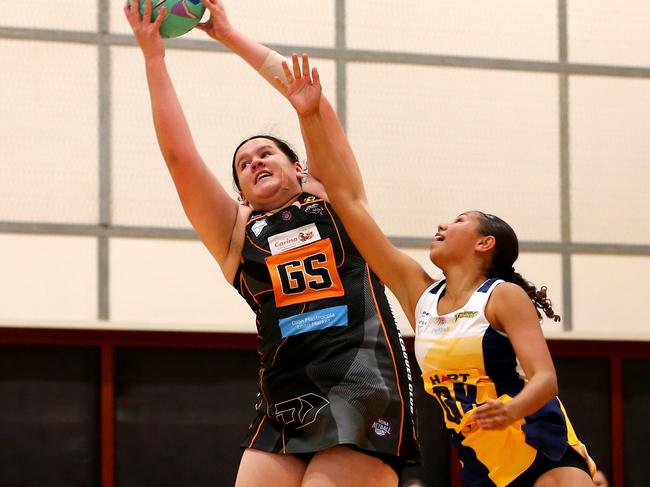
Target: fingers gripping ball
(182, 15)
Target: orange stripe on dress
(252, 219)
(243, 280)
(257, 432)
(257, 246)
(277, 350)
(262, 292)
(318, 200)
(392, 356)
(304, 306)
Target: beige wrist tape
(271, 68)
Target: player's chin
(265, 190)
(436, 256)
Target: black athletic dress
(333, 368)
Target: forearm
(246, 48)
(341, 143)
(342, 184)
(172, 130)
(540, 389)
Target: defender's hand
(303, 88)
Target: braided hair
(506, 251)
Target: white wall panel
(610, 159)
(173, 282)
(610, 296)
(48, 278)
(224, 101)
(500, 28)
(609, 32)
(306, 22)
(434, 142)
(431, 141)
(48, 14)
(48, 122)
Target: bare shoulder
(507, 292)
(507, 299)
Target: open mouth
(438, 237)
(262, 175)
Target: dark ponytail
(537, 296)
(506, 251)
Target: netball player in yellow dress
(478, 338)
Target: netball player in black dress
(335, 403)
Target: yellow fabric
(576, 444)
(504, 452)
(454, 353)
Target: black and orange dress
(333, 368)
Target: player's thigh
(565, 477)
(344, 467)
(269, 469)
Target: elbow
(550, 384)
(344, 201)
(171, 159)
(345, 193)
(178, 160)
(554, 389)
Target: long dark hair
(506, 251)
(279, 143)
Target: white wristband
(271, 68)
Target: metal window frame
(104, 230)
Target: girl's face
(266, 175)
(455, 240)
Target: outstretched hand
(147, 33)
(303, 88)
(217, 26)
(493, 415)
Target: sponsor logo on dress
(439, 320)
(310, 198)
(465, 314)
(381, 427)
(300, 411)
(431, 325)
(314, 320)
(297, 237)
(315, 209)
(464, 376)
(423, 320)
(286, 215)
(258, 226)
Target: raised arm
(268, 64)
(405, 277)
(213, 213)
